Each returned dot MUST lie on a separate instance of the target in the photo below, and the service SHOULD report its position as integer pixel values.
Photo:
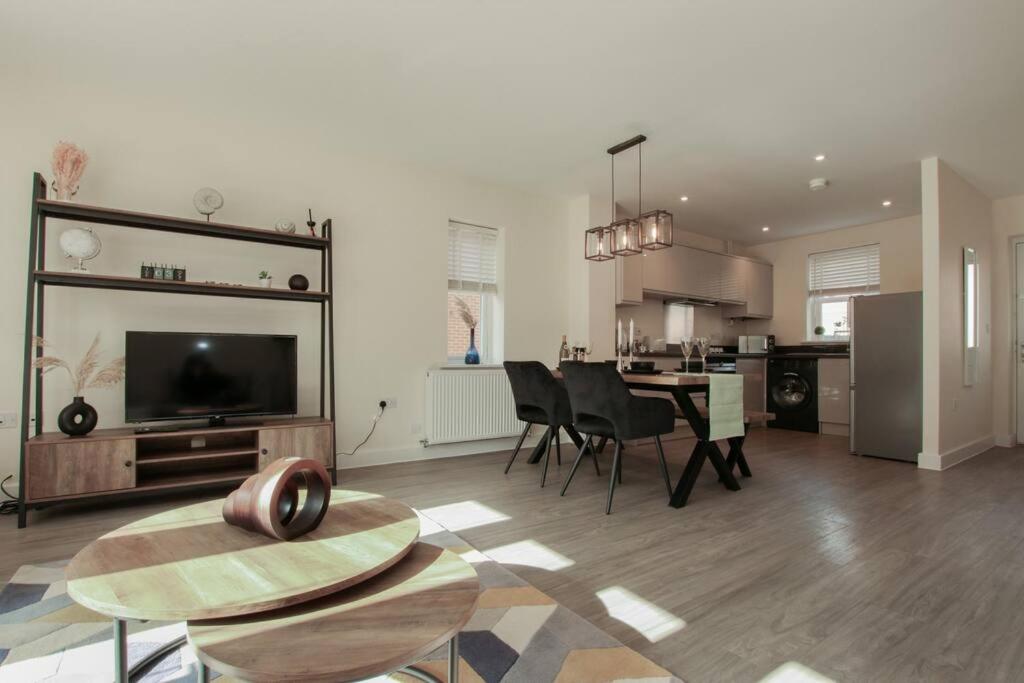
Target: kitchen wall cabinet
(742, 286)
(834, 395)
(733, 274)
(658, 270)
(629, 286)
(757, 291)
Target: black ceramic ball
(298, 282)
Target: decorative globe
(81, 244)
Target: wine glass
(703, 346)
(686, 343)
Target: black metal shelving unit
(39, 279)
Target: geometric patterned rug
(517, 635)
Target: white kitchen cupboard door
(733, 276)
(700, 273)
(655, 275)
(757, 295)
(834, 395)
(629, 282)
(760, 290)
(754, 371)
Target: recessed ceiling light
(887, 202)
(684, 198)
(820, 157)
(765, 229)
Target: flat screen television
(191, 375)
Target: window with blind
(473, 290)
(832, 278)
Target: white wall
(390, 228)
(900, 261)
(1008, 224)
(958, 419)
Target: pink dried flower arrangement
(68, 166)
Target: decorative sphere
(299, 282)
(80, 243)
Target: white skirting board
(943, 461)
(387, 456)
(833, 428)
(1006, 440)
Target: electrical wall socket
(8, 420)
(391, 401)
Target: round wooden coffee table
(383, 625)
(189, 563)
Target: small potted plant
(266, 279)
(819, 331)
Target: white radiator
(466, 405)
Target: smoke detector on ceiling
(818, 184)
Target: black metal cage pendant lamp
(629, 236)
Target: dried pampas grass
(84, 376)
(463, 312)
(111, 374)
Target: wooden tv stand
(113, 462)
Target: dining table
(683, 388)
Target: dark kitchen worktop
(802, 351)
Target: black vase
(299, 282)
(78, 418)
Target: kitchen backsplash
(659, 324)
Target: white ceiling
(736, 97)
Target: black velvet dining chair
(603, 406)
(540, 400)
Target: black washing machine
(793, 393)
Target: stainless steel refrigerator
(885, 375)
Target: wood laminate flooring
(857, 569)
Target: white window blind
(844, 271)
(472, 258)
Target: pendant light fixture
(600, 243)
(656, 225)
(629, 236)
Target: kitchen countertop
(777, 354)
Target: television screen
(186, 375)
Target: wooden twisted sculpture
(268, 502)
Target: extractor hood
(691, 301)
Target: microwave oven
(757, 343)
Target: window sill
(463, 366)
